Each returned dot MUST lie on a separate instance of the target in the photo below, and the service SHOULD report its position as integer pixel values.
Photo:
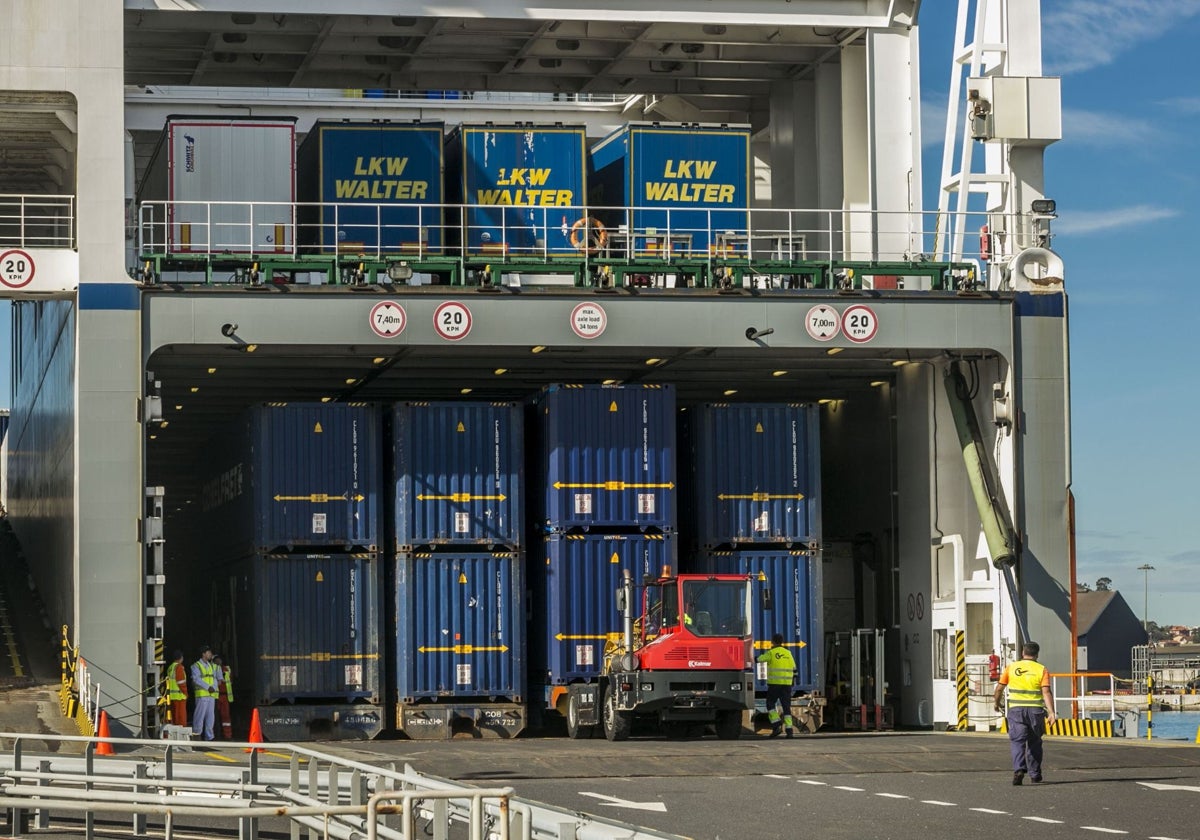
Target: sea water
(1171, 726)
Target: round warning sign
(589, 320)
(16, 269)
(859, 323)
(452, 320)
(388, 319)
(823, 322)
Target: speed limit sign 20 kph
(16, 269)
(859, 323)
(452, 320)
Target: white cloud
(1083, 34)
(1084, 222)
(1094, 128)
(1185, 104)
(933, 118)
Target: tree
(1104, 584)
(1080, 586)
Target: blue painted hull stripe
(109, 296)
(1041, 305)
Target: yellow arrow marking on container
(768, 645)
(759, 497)
(321, 497)
(316, 656)
(463, 649)
(603, 637)
(461, 497)
(614, 485)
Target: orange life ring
(588, 235)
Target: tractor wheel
(617, 724)
(729, 725)
(574, 730)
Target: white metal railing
(37, 221)
(520, 232)
(368, 96)
(1084, 694)
(326, 794)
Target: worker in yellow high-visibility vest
(781, 672)
(204, 685)
(177, 689)
(1030, 711)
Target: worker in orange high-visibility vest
(177, 689)
(224, 698)
(1030, 711)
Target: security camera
(228, 330)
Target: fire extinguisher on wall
(994, 667)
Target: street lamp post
(1147, 568)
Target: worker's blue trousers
(1026, 726)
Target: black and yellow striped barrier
(960, 671)
(1076, 728)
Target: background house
(1108, 628)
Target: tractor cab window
(662, 609)
(715, 607)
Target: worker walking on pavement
(204, 683)
(1030, 711)
(177, 689)
(781, 672)
(224, 698)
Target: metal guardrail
(328, 795)
(37, 221)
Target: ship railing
(265, 788)
(37, 221)
(831, 248)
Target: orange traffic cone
(255, 732)
(104, 747)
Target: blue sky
(1126, 180)
(1127, 183)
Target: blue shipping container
(794, 580)
(756, 473)
(525, 187)
(575, 604)
(293, 475)
(460, 625)
(607, 456)
(691, 185)
(458, 471)
(305, 627)
(379, 186)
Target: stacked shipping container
(754, 506)
(458, 569)
(605, 485)
(290, 543)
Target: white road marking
(989, 811)
(773, 776)
(625, 803)
(1163, 838)
(1102, 830)
(845, 787)
(938, 802)
(811, 782)
(1043, 820)
(893, 796)
(1158, 786)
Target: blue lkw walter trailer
(378, 185)
(525, 187)
(457, 469)
(606, 457)
(460, 643)
(689, 187)
(755, 473)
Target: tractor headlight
(647, 686)
(735, 686)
